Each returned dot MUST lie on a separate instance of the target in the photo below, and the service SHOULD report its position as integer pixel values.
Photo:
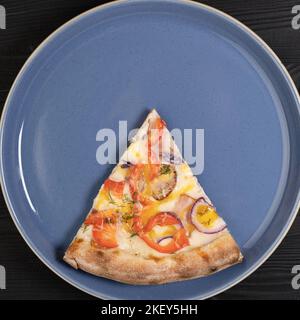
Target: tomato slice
(98, 218)
(138, 183)
(136, 180)
(104, 224)
(116, 187)
(144, 181)
(152, 171)
(137, 224)
(105, 236)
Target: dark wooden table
(28, 23)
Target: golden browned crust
(135, 269)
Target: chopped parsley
(111, 200)
(165, 169)
(133, 235)
(126, 217)
(127, 199)
(84, 227)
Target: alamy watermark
(296, 18)
(2, 278)
(296, 279)
(2, 17)
(189, 142)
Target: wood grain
(28, 23)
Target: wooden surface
(28, 23)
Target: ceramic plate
(201, 69)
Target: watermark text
(2, 278)
(2, 17)
(296, 279)
(296, 18)
(190, 144)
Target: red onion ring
(176, 217)
(179, 224)
(218, 226)
(164, 238)
(126, 165)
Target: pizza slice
(151, 221)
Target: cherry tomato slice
(105, 236)
(144, 181)
(104, 227)
(98, 218)
(137, 224)
(138, 181)
(116, 187)
(152, 171)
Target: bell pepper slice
(177, 240)
(176, 243)
(161, 219)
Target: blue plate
(201, 69)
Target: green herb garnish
(84, 227)
(133, 235)
(165, 169)
(127, 199)
(111, 200)
(126, 217)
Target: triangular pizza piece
(151, 221)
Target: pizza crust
(125, 267)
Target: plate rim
(67, 24)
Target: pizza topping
(114, 187)
(163, 232)
(126, 217)
(177, 242)
(164, 183)
(156, 180)
(164, 169)
(105, 236)
(162, 219)
(155, 133)
(182, 209)
(139, 193)
(205, 218)
(104, 224)
(136, 179)
(169, 157)
(100, 217)
(126, 165)
(165, 240)
(159, 233)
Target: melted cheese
(118, 174)
(85, 233)
(135, 245)
(198, 239)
